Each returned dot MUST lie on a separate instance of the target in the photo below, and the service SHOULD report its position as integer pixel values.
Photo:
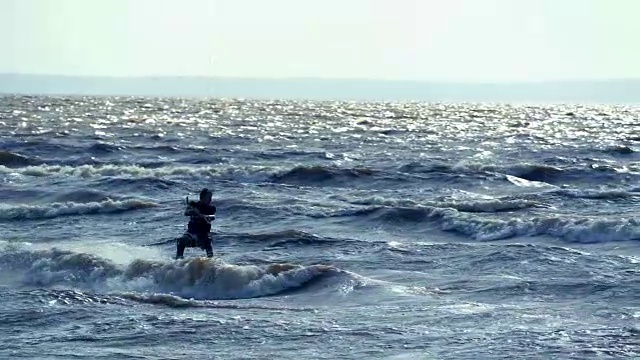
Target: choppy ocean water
(345, 230)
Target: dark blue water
(344, 230)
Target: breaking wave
(68, 208)
(573, 229)
(197, 278)
(541, 173)
(319, 174)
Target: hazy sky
(452, 40)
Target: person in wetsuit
(201, 212)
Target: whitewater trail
(200, 278)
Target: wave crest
(197, 278)
(57, 209)
(13, 160)
(484, 228)
(320, 173)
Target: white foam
(89, 171)
(116, 252)
(528, 183)
(119, 268)
(51, 210)
(583, 229)
(476, 204)
(6, 245)
(469, 308)
(207, 279)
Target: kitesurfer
(201, 213)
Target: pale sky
(439, 40)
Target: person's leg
(183, 242)
(209, 249)
(180, 245)
(206, 244)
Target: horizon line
(328, 79)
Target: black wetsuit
(197, 227)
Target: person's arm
(191, 210)
(204, 212)
(209, 210)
